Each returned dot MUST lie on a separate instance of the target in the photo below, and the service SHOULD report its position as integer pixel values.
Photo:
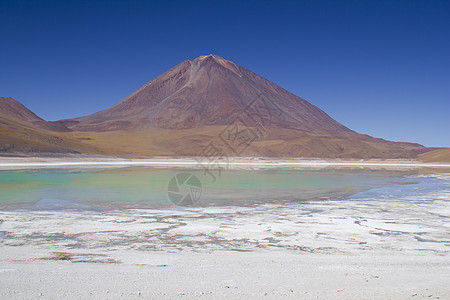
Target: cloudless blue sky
(379, 67)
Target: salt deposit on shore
(233, 162)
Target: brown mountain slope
(14, 114)
(204, 92)
(439, 155)
(197, 102)
(205, 107)
(22, 131)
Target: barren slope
(197, 102)
(22, 131)
(439, 155)
(205, 107)
(207, 91)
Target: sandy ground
(230, 275)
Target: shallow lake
(144, 187)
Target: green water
(145, 187)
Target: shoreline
(192, 162)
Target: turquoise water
(143, 187)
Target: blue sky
(379, 67)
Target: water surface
(144, 187)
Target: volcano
(204, 92)
(212, 104)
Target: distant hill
(438, 155)
(22, 131)
(15, 115)
(211, 104)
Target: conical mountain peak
(209, 90)
(200, 105)
(199, 100)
